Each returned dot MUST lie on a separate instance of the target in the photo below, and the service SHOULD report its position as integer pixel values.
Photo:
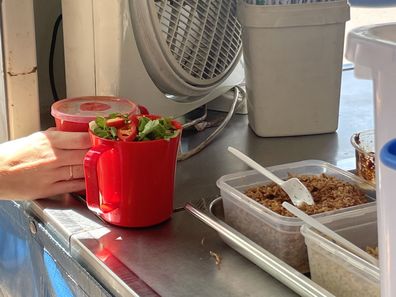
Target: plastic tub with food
(341, 199)
(340, 271)
(364, 145)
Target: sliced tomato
(117, 122)
(135, 119)
(143, 109)
(176, 125)
(127, 132)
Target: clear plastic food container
(278, 234)
(338, 270)
(364, 145)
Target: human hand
(43, 164)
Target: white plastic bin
(280, 235)
(293, 62)
(373, 50)
(338, 270)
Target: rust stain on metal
(33, 70)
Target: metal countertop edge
(281, 271)
(130, 285)
(118, 279)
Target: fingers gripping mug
(131, 184)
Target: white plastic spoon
(296, 190)
(330, 233)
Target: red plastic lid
(86, 109)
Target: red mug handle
(91, 179)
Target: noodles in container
(364, 145)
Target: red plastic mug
(131, 184)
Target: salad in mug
(126, 127)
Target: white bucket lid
(372, 48)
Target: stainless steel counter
(174, 259)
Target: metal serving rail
(178, 257)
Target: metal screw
(32, 227)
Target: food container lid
(86, 109)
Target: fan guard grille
(203, 36)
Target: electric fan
(171, 56)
